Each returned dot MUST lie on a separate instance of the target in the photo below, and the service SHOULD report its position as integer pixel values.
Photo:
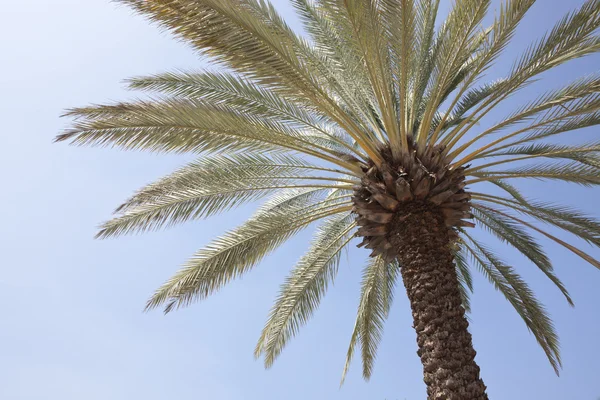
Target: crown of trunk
(421, 190)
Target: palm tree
(375, 125)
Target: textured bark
(410, 209)
(422, 244)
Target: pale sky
(72, 326)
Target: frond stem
(483, 149)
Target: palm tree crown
(373, 124)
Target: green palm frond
(250, 37)
(246, 171)
(499, 36)
(574, 100)
(459, 79)
(502, 31)
(212, 185)
(571, 124)
(400, 19)
(508, 188)
(178, 125)
(340, 66)
(574, 172)
(460, 30)
(376, 296)
(508, 231)
(572, 37)
(331, 32)
(241, 94)
(582, 226)
(583, 94)
(302, 291)
(237, 33)
(465, 279)
(585, 153)
(472, 98)
(424, 74)
(239, 250)
(568, 246)
(516, 291)
(328, 39)
(424, 59)
(229, 89)
(332, 91)
(365, 20)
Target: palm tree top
(375, 117)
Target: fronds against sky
(300, 119)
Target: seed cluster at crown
(417, 189)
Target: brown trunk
(429, 276)
(410, 209)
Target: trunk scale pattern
(409, 210)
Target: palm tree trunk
(430, 279)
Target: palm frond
(331, 30)
(237, 33)
(584, 153)
(574, 172)
(302, 291)
(400, 19)
(212, 185)
(243, 95)
(438, 121)
(573, 221)
(332, 89)
(239, 250)
(507, 19)
(329, 39)
(424, 59)
(516, 291)
(473, 97)
(227, 88)
(340, 63)
(469, 100)
(508, 188)
(566, 245)
(465, 279)
(579, 98)
(508, 231)
(178, 125)
(441, 119)
(368, 30)
(572, 37)
(570, 124)
(377, 291)
(500, 33)
(455, 41)
(251, 38)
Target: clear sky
(72, 326)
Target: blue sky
(72, 326)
